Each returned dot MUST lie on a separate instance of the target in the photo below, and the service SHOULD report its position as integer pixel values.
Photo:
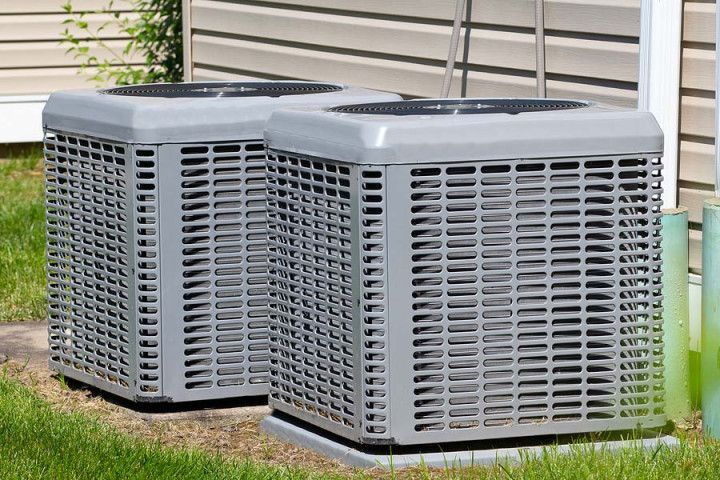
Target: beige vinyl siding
(32, 60)
(401, 45)
(697, 117)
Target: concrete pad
(356, 456)
(24, 342)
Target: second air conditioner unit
(458, 270)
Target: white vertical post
(659, 79)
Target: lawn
(22, 257)
(37, 440)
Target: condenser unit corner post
(459, 270)
(156, 238)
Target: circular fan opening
(460, 107)
(222, 89)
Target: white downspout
(659, 80)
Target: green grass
(37, 442)
(22, 257)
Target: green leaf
(156, 36)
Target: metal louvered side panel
(224, 272)
(147, 270)
(535, 297)
(641, 328)
(312, 355)
(89, 278)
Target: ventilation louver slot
(535, 292)
(311, 304)
(89, 275)
(224, 293)
(147, 268)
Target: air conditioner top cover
(449, 130)
(189, 112)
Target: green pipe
(676, 313)
(710, 329)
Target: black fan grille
(223, 89)
(460, 107)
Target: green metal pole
(710, 331)
(676, 313)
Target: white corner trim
(659, 79)
(21, 118)
(23, 98)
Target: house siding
(592, 45)
(31, 60)
(697, 118)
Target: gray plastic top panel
(449, 130)
(225, 115)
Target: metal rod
(540, 48)
(676, 313)
(454, 41)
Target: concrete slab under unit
(354, 455)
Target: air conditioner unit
(156, 234)
(459, 270)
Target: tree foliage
(154, 52)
